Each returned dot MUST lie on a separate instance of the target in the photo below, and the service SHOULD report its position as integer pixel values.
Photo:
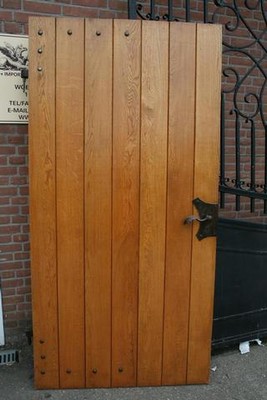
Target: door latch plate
(207, 227)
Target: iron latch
(208, 218)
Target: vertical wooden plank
(70, 210)
(179, 205)
(154, 110)
(42, 203)
(126, 133)
(98, 173)
(208, 75)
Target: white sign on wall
(13, 91)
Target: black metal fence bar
(222, 153)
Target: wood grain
(42, 203)
(98, 173)
(154, 111)
(208, 74)
(70, 192)
(179, 205)
(126, 139)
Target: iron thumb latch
(208, 218)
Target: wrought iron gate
(243, 172)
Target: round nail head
(40, 32)
(43, 357)
(69, 32)
(94, 371)
(42, 371)
(40, 50)
(68, 371)
(98, 33)
(120, 369)
(39, 69)
(126, 33)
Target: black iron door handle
(208, 217)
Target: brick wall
(14, 229)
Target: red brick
(13, 28)
(41, 8)
(21, 238)
(4, 180)
(17, 160)
(8, 170)
(11, 324)
(19, 180)
(107, 14)
(23, 17)
(28, 297)
(9, 308)
(24, 210)
(24, 290)
(16, 4)
(23, 170)
(7, 150)
(11, 265)
(23, 150)
(16, 139)
(26, 246)
(10, 229)
(9, 210)
(3, 160)
(7, 274)
(118, 5)
(4, 220)
(24, 306)
(5, 16)
(22, 274)
(8, 191)
(80, 12)
(24, 191)
(90, 3)
(4, 200)
(11, 283)
(5, 239)
(19, 200)
(22, 256)
(19, 219)
(13, 299)
(26, 228)
(10, 247)
(8, 292)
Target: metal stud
(39, 69)
(120, 369)
(126, 33)
(98, 33)
(94, 371)
(40, 50)
(40, 32)
(69, 32)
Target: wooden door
(124, 133)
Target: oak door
(124, 133)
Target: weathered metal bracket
(208, 218)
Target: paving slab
(236, 377)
